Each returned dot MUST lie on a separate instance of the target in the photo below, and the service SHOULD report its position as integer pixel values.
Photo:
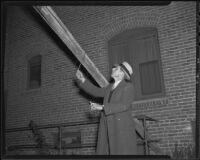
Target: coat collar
(120, 85)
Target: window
(140, 48)
(149, 76)
(34, 72)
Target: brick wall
(59, 101)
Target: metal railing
(59, 126)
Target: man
(116, 135)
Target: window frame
(124, 38)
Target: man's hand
(80, 76)
(96, 106)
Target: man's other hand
(80, 76)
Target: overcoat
(116, 134)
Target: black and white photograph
(99, 78)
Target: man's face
(117, 73)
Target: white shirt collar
(115, 84)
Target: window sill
(150, 102)
(32, 91)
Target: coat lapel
(107, 94)
(115, 91)
(120, 85)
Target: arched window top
(141, 32)
(35, 59)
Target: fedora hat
(126, 67)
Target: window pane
(150, 78)
(35, 72)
